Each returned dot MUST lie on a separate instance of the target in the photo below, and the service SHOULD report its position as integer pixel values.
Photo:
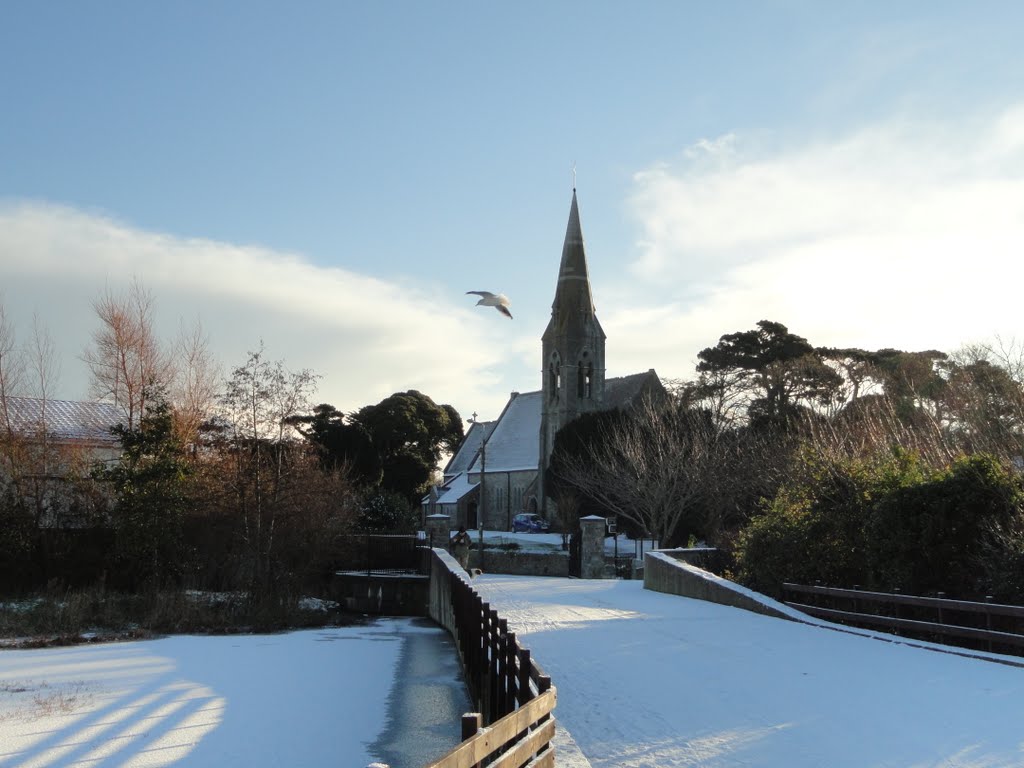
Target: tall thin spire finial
(573, 175)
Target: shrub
(889, 523)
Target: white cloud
(902, 234)
(367, 337)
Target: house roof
(514, 443)
(65, 419)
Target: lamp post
(483, 467)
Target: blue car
(527, 522)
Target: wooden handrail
(925, 627)
(945, 611)
(895, 598)
(515, 696)
(497, 737)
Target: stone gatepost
(438, 530)
(592, 547)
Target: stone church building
(497, 472)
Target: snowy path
(648, 679)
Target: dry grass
(36, 700)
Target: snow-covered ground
(309, 698)
(660, 681)
(644, 680)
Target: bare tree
(195, 385)
(12, 369)
(125, 360)
(259, 402)
(648, 467)
(44, 463)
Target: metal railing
(378, 554)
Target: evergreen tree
(149, 485)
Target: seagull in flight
(497, 300)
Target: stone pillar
(438, 530)
(592, 547)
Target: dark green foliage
(587, 432)
(409, 431)
(775, 369)
(584, 433)
(944, 532)
(149, 488)
(909, 378)
(890, 523)
(387, 512)
(393, 446)
(342, 445)
(17, 538)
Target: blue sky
(332, 177)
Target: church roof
(626, 390)
(469, 448)
(454, 489)
(514, 444)
(65, 419)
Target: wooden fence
(514, 727)
(982, 625)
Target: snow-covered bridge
(649, 679)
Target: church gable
(628, 391)
(469, 449)
(512, 446)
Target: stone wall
(664, 573)
(380, 595)
(519, 563)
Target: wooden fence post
(896, 611)
(524, 676)
(509, 662)
(471, 722)
(493, 652)
(543, 686)
(988, 620)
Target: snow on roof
(514, 444)
(65, 419)
(452, 491)
(467, 451)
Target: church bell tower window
(554, 376)
(584, 378)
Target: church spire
(572, 294)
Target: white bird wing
(497, 300)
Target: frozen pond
(426, 701)
(390, 690)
